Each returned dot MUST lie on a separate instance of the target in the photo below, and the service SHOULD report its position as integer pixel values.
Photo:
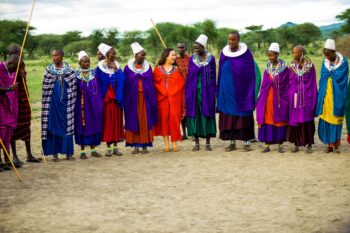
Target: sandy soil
(181, 192)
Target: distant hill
(326, 29)
(287, 25)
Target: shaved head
(12, 62)
(14, 49)
(300, 49)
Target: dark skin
(181, 48)
(57, 58)
(110, 58)
(298, 52)
(330, 55)
(140, 57)
(11, 65)
(85, 64)
(273, 57)
(100, 56)
(200, 51)
(233, 42)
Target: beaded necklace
(275, 70)
(85, 74)
(306, 67)
(52, 69)
(202, 61)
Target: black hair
(164, 55)
(235, 33)
(14, 49)
(60, 51)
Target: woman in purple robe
(302, 101)
(8, 105)
(140, 102)
(272, 104)
(88, 107)
(200, 94)
(236, 93)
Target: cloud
(87, 15)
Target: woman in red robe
(169, 84)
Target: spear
(160, 37)
(9, 158)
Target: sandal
(83, 156)
(135, 151)
(55, 159)
(265, 150)
(117, 152)
(96, 154)
(196, 147)
(32, 159)
(246, 148)
(231, 147)
(71, 158)
(166, 150)
(295, 149)
(208, 147)
(328, 149)
(308, 150)
(144, 151)
(109, 153)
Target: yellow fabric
(327, 114)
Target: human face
(57, 57)
(330, 54)
(140, 57)
(171, 57)
(12, 65)
(198, 49)
(296, 54)
(273, 57)
(111, 55)
(85, 62)
(181, 48)
(100, 56)
(233, 41)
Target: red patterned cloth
(182, 63)
(22, 131)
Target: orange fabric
(144, 136)
(113, 127)
(268, 117)
(169, 89)
(335, 144)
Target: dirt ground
(186, 191)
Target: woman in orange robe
(169, 84)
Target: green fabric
(200, 126)
(347, 109)
(257, 80)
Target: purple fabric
(280, 85)
(243, 69)
(306, 89)
(93, 107)
(8, 100)
(208, 75)
(272, 134)
(131, 94)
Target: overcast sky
(59, 16)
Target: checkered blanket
(48, 85)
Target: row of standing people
(90, 102)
